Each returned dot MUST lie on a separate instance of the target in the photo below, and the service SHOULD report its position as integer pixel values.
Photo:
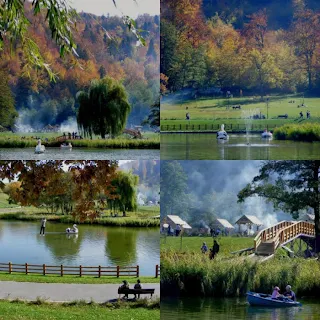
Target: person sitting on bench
(125, 286)
(137, 286)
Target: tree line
(84, 190)
(198, 50)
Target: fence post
(61, 270)
(80, 270)
(138, 271)
(180, 126)
(118, 271)
(44, 269)
(157, 271)
(26, 268)
(10, 267)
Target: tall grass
(194, 275)
(120, 222)
(298, 132)
(117, 143)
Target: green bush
(298, 132)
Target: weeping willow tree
(124, 186)
(104, 109)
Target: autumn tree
(8, 113)
(305, 37)
(103, 109)
(125, 190)
(291, 186)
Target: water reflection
(93, 246)
(206, 146)
(235, 308)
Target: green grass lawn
(193, 244)
(217, 111)
(48, 311)
(4, 276)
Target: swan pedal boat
(66, 146)
(266, 135)
(265, 300)
(222, 135)
(72, 232)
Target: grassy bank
(9, 140)
(142, 310)
(194, 275)
(186, 271)
(51, 278)
(304, 132)
(119, 221)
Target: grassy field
(189, 272)
(28, 140)
(192, 245)
(72, 279)
(218, 111)
(16, 309)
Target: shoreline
(107, 221)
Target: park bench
(283, 116)
(135, 291)
(236, 107)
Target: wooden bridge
(270, 239)
(68, 136)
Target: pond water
(206, 147)
(79, 154)
(94, 245)
(234, 309)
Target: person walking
(43, 225)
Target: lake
(234, 309)
(79, 154)
(192, 146)
(94, 245)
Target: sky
(124, 7)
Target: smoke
(214, 186)
(69, 125)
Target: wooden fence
(80, 270)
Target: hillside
(105, 47)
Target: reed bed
(195, 274)
(117, 143)
(298, 132)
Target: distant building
(173, 221)
(223, 225)
(248, 221)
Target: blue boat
(265, 300)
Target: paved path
(59, 292)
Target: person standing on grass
(43, 225)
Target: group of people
(177, 231)
(288, 294)
(125, 285)
(213, 251)
(308, 114)
(74, 135)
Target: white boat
(39, 148)
(74, 230)
(66, 146)
(222, 134)
(266, 134)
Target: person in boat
(43, 225)
(204, 248)
(276, 293)
(137, 286)
(289, 293)
(125, 285)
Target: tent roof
(224, 223)
(178, 220)
(247, 219)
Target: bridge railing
(270, 233)
(290, 232)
